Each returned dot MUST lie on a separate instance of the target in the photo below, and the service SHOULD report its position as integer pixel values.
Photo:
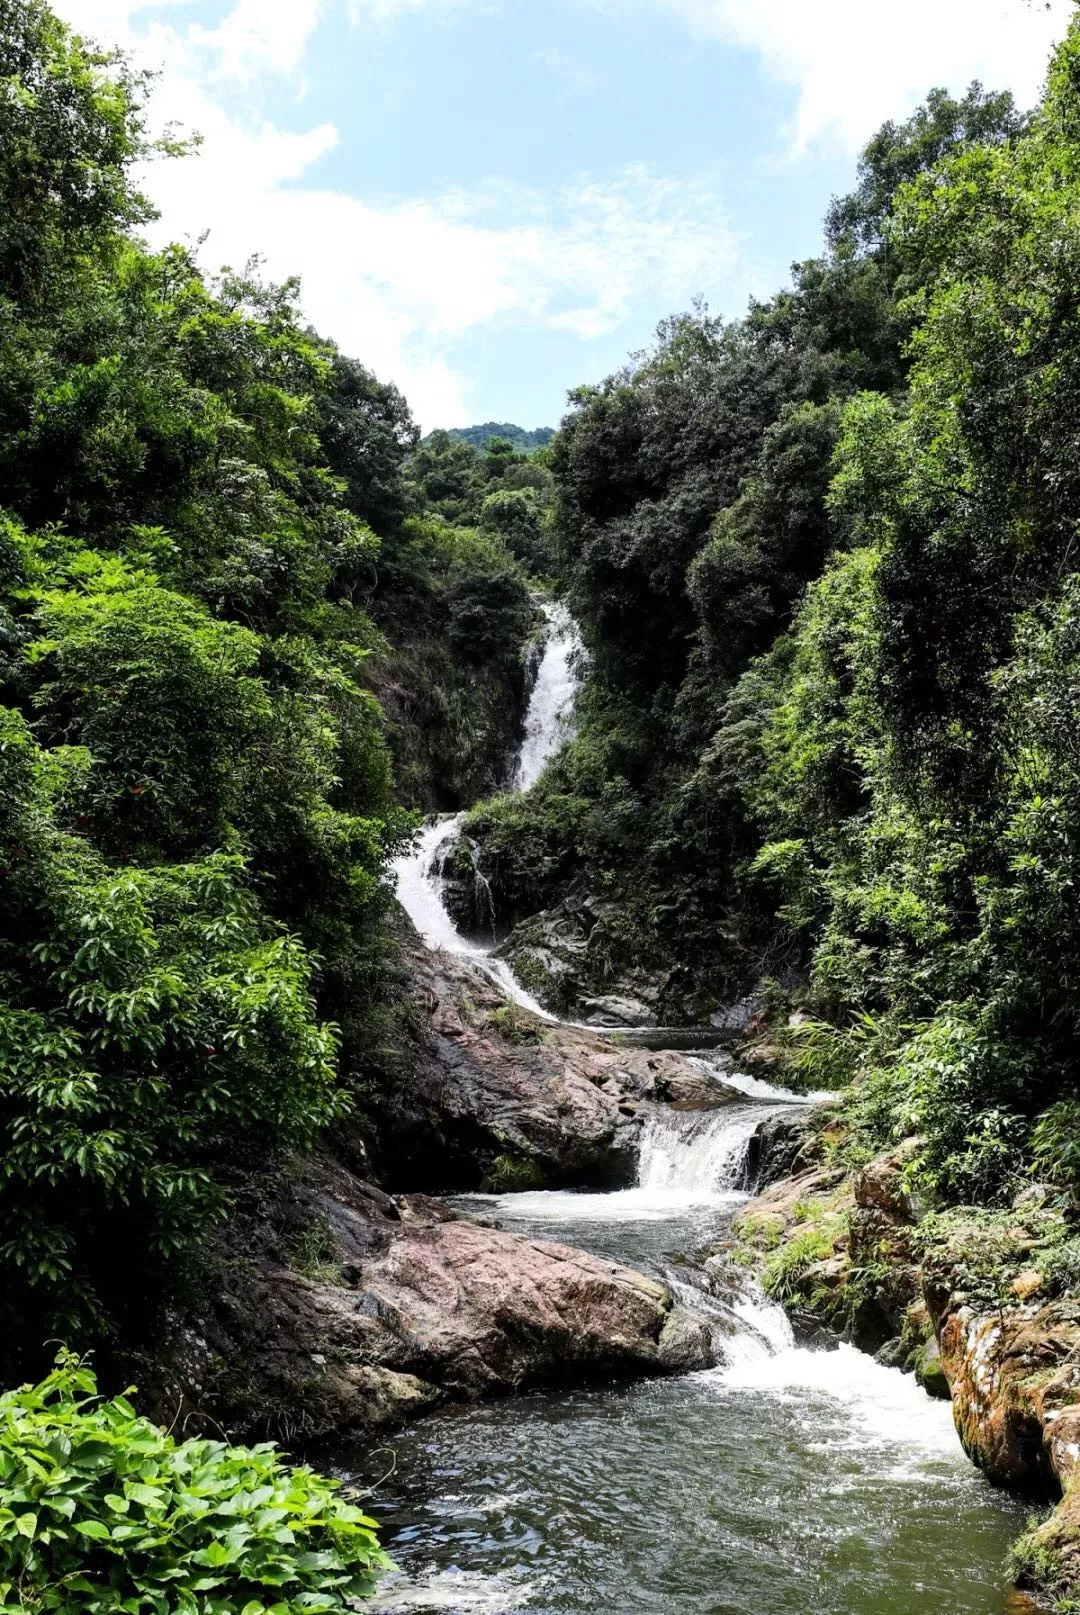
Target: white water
(758, 1088)
(694, 1162)
(418, 874)
(696, 1155)
(547, 722)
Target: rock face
(564, 950)
(584, 958)
(497, 1098)
(782, 1147)
(1010, 1351)
(969, 1304)
(403, 1306)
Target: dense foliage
(824, 561)
(103, 1513)
(519, 437)
(207, 536)
(691, 511)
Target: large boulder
(1010, 1352)
(339, 1312)
(497, 1098)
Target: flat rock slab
(413, 1307)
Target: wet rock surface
(575, 957)
(497, 1098)
(404, 1306)
(965, 1302)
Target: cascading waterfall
(696, 1155)
(547, 724)
(831, 1439)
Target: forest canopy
(207, 526)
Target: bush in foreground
(101, 1511)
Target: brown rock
(776, 1209)
(405, 1313)
(880, 1184)
(1013, 1372)
(1027, 1283)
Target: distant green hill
(478, 436)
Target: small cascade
(419, 878)
(419, 873)
(696, 1154)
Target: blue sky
(492, 201)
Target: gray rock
(737, 1018)
(615, 1011)
(496, 1097)
(894, 1354)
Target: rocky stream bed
(541, 1349)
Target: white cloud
(257, 38)
(254, 38)
(402, 284)
(856, 62)
(573, 77)
(398, 284)
(387, 10)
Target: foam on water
(754, 1087)
(847, 1401)
(458, 1591)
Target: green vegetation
(520, 438)
(694, 502)
(209, 535)
(823, 559)
(103, 1513)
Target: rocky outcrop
(566, 953)
(339, 1310)
(971, 1302)
(586, 958)
(784, 1146)
(494, 1097)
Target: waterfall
(418, 874)
(696, 1155)
(547, 721)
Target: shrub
(104, 1512)
(789, 1264)
(156, 1036)
(1056, 1145)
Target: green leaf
(93, 1529)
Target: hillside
(524, 441)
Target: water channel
(785, 1482)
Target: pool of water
(787, 1482)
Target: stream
(787, 1481)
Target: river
(787, 1481)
